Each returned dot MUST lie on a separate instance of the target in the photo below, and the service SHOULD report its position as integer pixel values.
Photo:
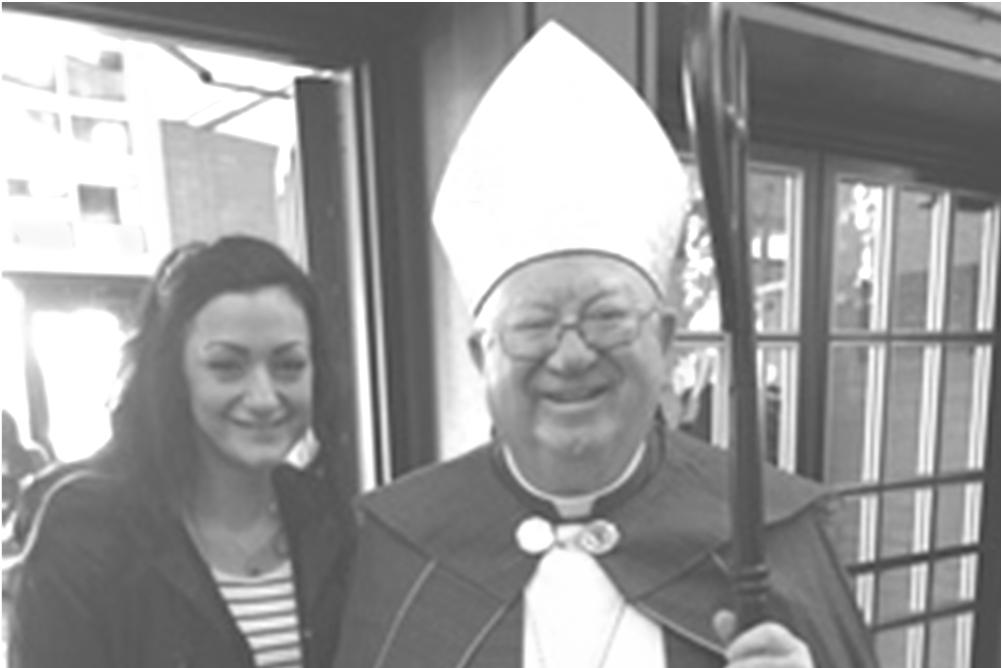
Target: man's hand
(767, 645)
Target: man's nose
(572, 352)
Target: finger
(725, 623)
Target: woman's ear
(475, 344)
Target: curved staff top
(717, 110)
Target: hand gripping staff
(714, 76)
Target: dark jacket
(113, 583)
(438, 579)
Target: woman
(190, 541)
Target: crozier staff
(586, 534)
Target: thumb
(725, 623)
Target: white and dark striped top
(264, 607)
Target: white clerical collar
(572, 507)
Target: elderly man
(586, 534)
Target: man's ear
(666, 329)
(475, 344)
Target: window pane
(773, 211)
(912, 242)
(772, 199)
(859, 220)
(955, 447)
(850, 381)
(904, 413)
(894, 591)
(845, 529)
(778, 385)
(956, 517)
(950, 641)
(96, 73)
(947, 580)
(98, 204)
(893, 646)
(102, 133)
(694, 377)
(897, 522)
(972, 223)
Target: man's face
(574, 415)
(250, 376)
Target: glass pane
(897, 522)
(78, 387)
(96, 73)
(972, 221)
(955, 447)
(773, 201)
(893, 646)
(772, 197)
(694, 378)
(912, 242)
(893, 593)
(956, 517)
(103, 133)
(846, 526)
(778, 386)
(858, 222)
(950, 641)
(904, 413)
(947, 580)
(99, 204)
(25, 61)
(849, 382)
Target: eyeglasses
(537, 336)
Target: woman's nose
(261, 392)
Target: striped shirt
(264, 608)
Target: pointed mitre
(561, 156)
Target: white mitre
(561, 156)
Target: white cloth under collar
(572, 507)
(575, 617)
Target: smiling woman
(190, 517)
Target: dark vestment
(438, 578)
(113, 583)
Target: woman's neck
(233, 498)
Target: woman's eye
(291, 367)
(225, 366)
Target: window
(914, 275)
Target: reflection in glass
(859, 222)
(905, 418)
(897, 522)
(950, 641)
(957, 520)
(913, 222)
(777, 380)
(773, 211)
(850, 382)
(893, 593)
(893, 646)
(957, 451)
(970, 257)
(694, 379)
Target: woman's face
(249, 370)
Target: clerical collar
(579, 506)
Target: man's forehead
(556, 280)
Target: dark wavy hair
(153, 444)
